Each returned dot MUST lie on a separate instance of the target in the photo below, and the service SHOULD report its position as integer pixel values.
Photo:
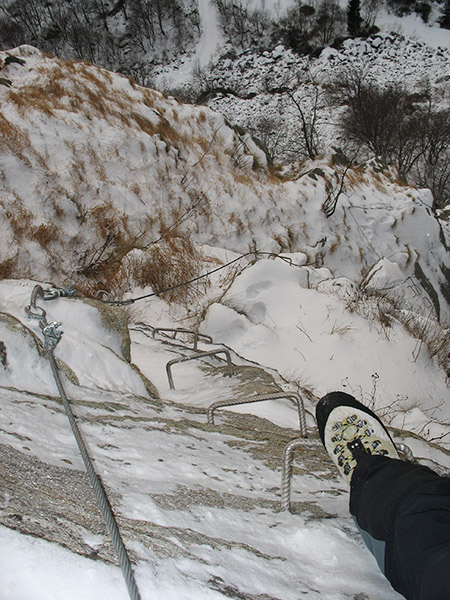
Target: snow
(27, 562)
(267, 316)
(413, 27)
(304, 319)
(210, 42)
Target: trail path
(210, 39)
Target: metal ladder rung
(261, 398)
(196, 357)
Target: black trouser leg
(408, 507)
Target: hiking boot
(350, 431)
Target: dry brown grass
(71, 86)
(335, 244)
(97, 102)
(13, 139)
(90, 75)
(19, 218)
(97, 164)
(148, 98)
(167, 133)
(57, 208)
(429, 332)
(135, 188)
(143, 123)
(340, 328)
(107, 220)
(43, 235)
(7, 268)
(383, 308)
(33, 97)
(355, 177)
(166, 264)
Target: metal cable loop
(37, 292)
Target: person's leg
(398, 507)
(377, 485)
(406, 507)
(376, 547)
(418, 550)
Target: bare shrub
(429, 332)
(380, 307)
(405, 130)
(335, 186)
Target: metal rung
(195, 357)
(288, 455)
(286, 475)
(261, 398)
(197, 336)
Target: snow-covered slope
(254, 89)
(94, 170)
(198, 504)
(94, 166)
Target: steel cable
(176, 286)
(255, 253)
(51, 338)
(102, 499)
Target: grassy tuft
(163, 265)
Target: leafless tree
(330, 21)
(336, 186)
(308, 118)
(369, 11)
(406, 130)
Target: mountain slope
(197, 504)
(94, 166)
(110, 186)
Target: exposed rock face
(196, 498)
(56, 502)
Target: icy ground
(197, 504)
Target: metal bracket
(35, 312)
(196, 335)
(405, 451)
(288, 455)
(286, 474)
(54, 292)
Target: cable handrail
(51, 338)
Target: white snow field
(326, 304)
